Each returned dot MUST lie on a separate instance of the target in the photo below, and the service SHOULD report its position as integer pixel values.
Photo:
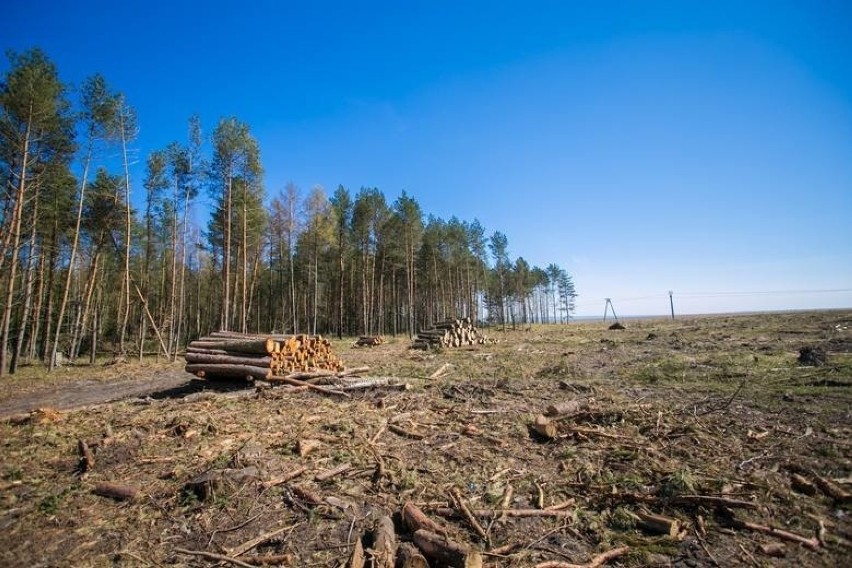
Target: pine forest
(94, 261)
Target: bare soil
(711, 422)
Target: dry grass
(711, 406)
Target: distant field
(710, 423)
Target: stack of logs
(225, 354)
(369, 341)
(450, 333)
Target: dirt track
(86, 392)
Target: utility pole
(608, 306)
(671, 302)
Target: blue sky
(699, 147)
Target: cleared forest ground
(708, 421)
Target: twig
(595, 562)
(727, 404)
(540, 499)
(214, 556)
(238, 527)
(248, 545)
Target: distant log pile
(369, 341)
(450, 333)
(225, 354)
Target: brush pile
(450, 333)
(225, 354)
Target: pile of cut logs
(369, 341)
(225, 354)
(450, 333)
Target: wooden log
(409, 557)
(254, 346)
(545, 427)
(210, 370)
(116, 491)
(328, 474)
(658, 524)
(307, 495)
(87, 458)
(414, 519)
(306, 446)
(190, 349)
(564, 408)
(384, 544)
(442, 550)
(357, 559)
(228, 360)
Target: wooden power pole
(671, 302)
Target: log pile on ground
(226, 354)
(450, 333)
(369, 341)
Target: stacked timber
(225, 354)
(450, 333)
(369, 341)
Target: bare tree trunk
(51, 354)
(226, 258)
(88, 293)
(15, 229)
(127, 222)
(182, 292)
(32, 342)
(28, 289)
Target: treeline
(82, 271)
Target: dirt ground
(709, 422)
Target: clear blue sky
(701, 147)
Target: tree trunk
(15, 229)
(28, 289)
(51, 354)
(127, 226)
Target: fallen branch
(328, 474)
(812, 543)
(406, 433)
(440, 371)
(829, 488)
(284, 478)
(595, 562)
(457, 498)
(414, 519)
(497, 513)
(298, 383)
(712, 500)
(214, 556)
(248, 545)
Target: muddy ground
(710, 422)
